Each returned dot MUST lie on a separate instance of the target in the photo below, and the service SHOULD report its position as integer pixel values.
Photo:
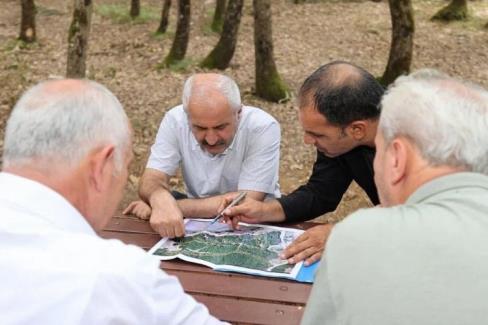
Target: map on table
(253, 249)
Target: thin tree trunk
(224, 50)
(135, 8)
(28, 21)
(455, 10)
(163, 24)
(218, 18)
(180, 42)
(401, 50)
(269, 84)
(79, 31)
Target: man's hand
(166, 216)
(308, 246)
(168, 222)
(138, 208)
(249, 211)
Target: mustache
(219, 143)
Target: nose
(211, 138)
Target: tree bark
(269, 84)
(163, 24)
(455, 10)
(224, 50)
(79, 31)
(218, 18)
(28, 21)
(401, 50)
(180, 42)
(135, 8)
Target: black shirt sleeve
(321, 194)
(329, 181)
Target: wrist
(160, 198)
(272, 211)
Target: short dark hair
(343, 93)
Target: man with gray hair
(65, 165)
(422, 257)
(221, 145)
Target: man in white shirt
(221, 145)
(66, 156)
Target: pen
(237, 200)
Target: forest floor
(124, 55)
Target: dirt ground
(124, 56)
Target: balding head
(342, 93)
(61, 121)
(206, 86)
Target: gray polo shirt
(424, 262)
(251, 162)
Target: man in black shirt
(338, 111)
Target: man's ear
(101, 166)
(398, 157)
(357, 130)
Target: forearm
(200, 208)
(272, 211)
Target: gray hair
(445, 118)
(51, 123)
(225, 85)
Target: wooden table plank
(129, 225)
(251, 312)
(145, 241)
(233, 285)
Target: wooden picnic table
(233, 297)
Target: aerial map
(253, 249)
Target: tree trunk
(163, 25)
(218, 18)
(224, 50)
(28, 21)
(401, 50)
(268, 81)
(135, 8)
(180, 42)
(456, 10)
(79, 31)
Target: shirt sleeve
(262, 160)
(322, 193)
(140, 292)
(165, 154)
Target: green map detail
(250, 250)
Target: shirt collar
(446, 183)
(42, 201)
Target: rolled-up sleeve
(260, 170)
(165, 153)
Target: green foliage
(15, 44)
(169, 34)
(176, 65)
(119, 14)
(452, 12)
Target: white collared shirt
(54, 269)
(251, 162)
